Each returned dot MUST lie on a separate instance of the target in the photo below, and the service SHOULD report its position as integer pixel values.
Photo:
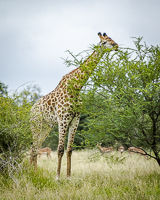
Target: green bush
(15, 134)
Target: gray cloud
(35, 34)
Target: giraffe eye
(104, 42)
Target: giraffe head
(107, 42)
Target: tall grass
(93, 177)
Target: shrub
(15, 134)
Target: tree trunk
(158, 160)
(156, 155)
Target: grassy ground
(93, 177)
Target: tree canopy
(122, 98)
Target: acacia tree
(123, 98)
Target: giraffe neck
(79, 76)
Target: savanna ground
(93, 177)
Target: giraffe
(59, 106)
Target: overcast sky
(34, 34)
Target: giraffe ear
(105, 35)
(100, 35)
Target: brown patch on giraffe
(49, 102)
(52, 110)
(66, 104)
(61, 95)
(78, 72)
(53, 104)
(43, 107)
(60, 149)
(65, 96)
(59, 106)
(52, 95)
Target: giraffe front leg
(62, 133)
(72, 130)
(60, 155)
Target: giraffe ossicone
(58, 107)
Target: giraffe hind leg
(38, 138)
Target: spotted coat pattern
(62, 107)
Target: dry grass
(93, 177)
